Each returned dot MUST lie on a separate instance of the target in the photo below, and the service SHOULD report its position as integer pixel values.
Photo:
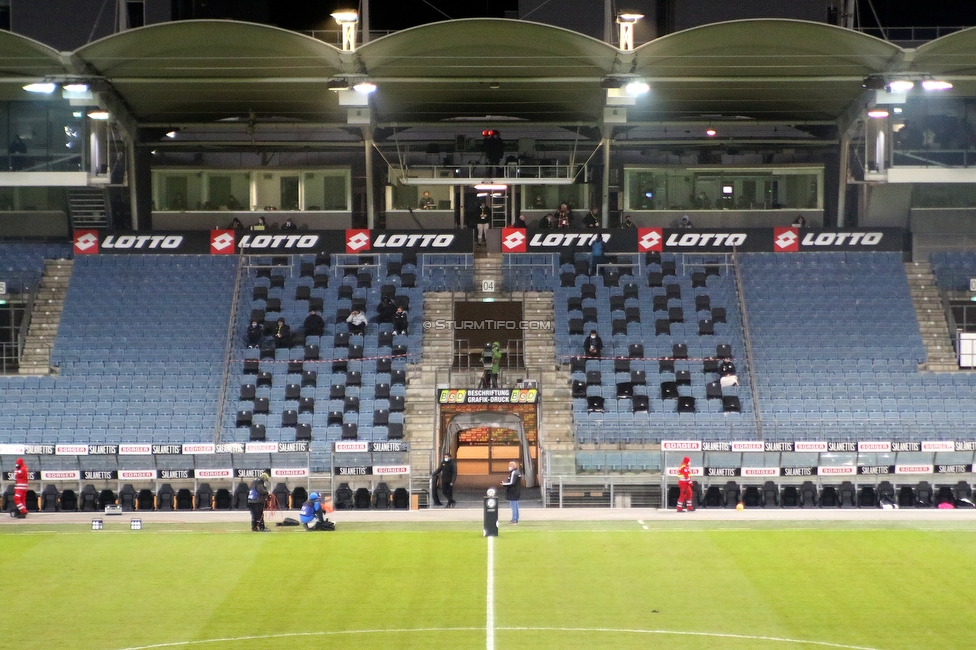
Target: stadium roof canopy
(466, 70)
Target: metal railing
(910, 33)
(229, 349)
(747, 338)
(554, 173)
(934, 157)
(24, 328)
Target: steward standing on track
(686, 501)
(448, 473)
(20, 490)
(256, 499)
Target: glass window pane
(289, 192)
(334, 192)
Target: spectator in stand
(519, 222)
(400, 321)
(313, 325)
(262, 224)
(546, 223)
(593, 344)
(627, 223)
(685, 223)
(254, 334)
(484, 223)
(385, 310)
(799, 222)
(236, 224)
(427, 201)
(282, 334)
(564, 216)
(592, 218)
(357, 322)
(596, 254)
(289, 225)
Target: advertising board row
(514, 240)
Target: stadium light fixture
(637, 87)
(44, 87)
(76, 88)
(488, 187)
(710, 132)
(878, 113)
(626, 20)
(935, 84)
(98, 115)
(900, 85)
(347, 19)
(365, 87)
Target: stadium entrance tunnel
(484, 442)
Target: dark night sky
(398, 14)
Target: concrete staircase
(940, 356)
(557, 440)
(87, 207)
(487, 268)
(45, 317)
(419, 406)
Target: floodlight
(878, 113)
(637, 87)
(45, 87)
(364, 87)
(98, 115)
(935, 84)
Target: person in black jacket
(282, 334)
(254, 334)
(400, 321)
(385, 310)
(448, 474)
(313, 325)
(592, 345)
(256, 499)
(513, 489)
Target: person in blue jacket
(312, 511)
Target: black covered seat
(363, 499)
(282, 495)
(790, 497)
(752, 497)
(382, 496)
(88, 499)
(184, 499)
(146, 500)
(127, 498)
(165, 497)
(770, 495)
(731, 493)
(205, 497)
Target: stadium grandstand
(769, 224)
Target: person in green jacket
(496, 359)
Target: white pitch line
(490, 598)
(602, 630)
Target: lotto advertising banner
(703, 240)
(229, 242)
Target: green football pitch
(681, 584)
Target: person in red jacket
(685, 499)
(20, 490)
